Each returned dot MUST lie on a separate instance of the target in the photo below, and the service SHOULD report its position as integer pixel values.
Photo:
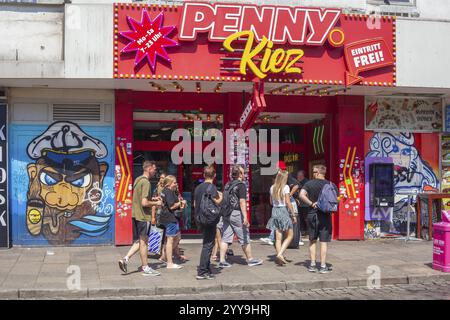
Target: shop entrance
(153, 141)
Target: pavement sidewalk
(30, 273)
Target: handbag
(156, 239)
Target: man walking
(236, 222)
(302, 207)
(295, 188)
(142, 215)
(202, 191)
(319, 222)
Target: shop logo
(276, 61)
(149, 38)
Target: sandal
(287, 260)
(279, 261)
(182, 258)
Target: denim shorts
(172, 229)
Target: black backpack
(230, 200)
(208, 212)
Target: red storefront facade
(202, 61)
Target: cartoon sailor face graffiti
(64, 182)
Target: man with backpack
(321, 197)
(235, 222)
(207, 214)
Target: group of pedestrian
(228, 220)
(165, 209)
(320, 198)
(221, 216)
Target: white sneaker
(301, 243)
(147, 271)
(266, 240)
(270, 242)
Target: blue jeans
(272, 235)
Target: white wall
(31, 42)
(433, 9)
(423, 54)
(89, 41)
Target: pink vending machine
(441, 243)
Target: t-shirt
(297, 195)
(282, 203)
(169, 199)
(141, 189)
(314, 187)
(201, 190)
(236, 194)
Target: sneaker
(123, 265)
(270, 242)
(147, 271)
(174, 266)
(325, 269)
(266, 240)
(205, 276)
(301, 243)
(312, 268)
(224, 265)
(254, 262)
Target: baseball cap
(281, 165)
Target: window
(394, 2)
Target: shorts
(220, 225)
(233, 225)
(172, 229)
(319, 226)
(140, 229)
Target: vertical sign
(4, 219)
(447, 119)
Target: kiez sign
(261, 28)
(241, 42)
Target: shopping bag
(155, 239)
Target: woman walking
(282, 218)
(171, 203)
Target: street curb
(52, 293)
(420, 278)
(317, 284)
(214, 288)
(119, 292)
(188, 290)
(9, 294)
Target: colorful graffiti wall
(62, 184)
(416, 168)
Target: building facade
(90, 89)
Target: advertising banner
(445, 165)
(4, 219)
(241, 42)
(403, 114)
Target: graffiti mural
(66, 195)
(412, 173)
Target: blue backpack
(328, 200)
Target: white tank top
(282, 203)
